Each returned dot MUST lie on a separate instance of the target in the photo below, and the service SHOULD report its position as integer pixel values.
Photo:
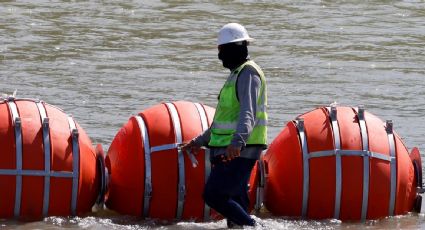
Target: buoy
(48, 164)
(342, 163)
(150, 176)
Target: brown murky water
(103, 61)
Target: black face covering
(233, 55)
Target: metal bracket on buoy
(16, 119)
(261, 170)
(306, 168)
(47, 154)
(393, 166)
(10, 98)
(366, 160)
(181, 170)
(75, 163)
(338, 161)
(389, 126)
(147, 193)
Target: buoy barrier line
(178, 132)
(46, 146)
(393, 166)
(16, 120)
(365, 153)
(204, 124)
(148, 168)
(306, 168)
(75, 163)
(337, 144)
(365, 146)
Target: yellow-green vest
(227, 112)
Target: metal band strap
(11, 172)
(75, 164)
(148, 170)
(365, 147)
(261, 184)
(164, 147)
(338, 176)
(204, 124)
(16, 120)
(391, 141)
(202, 115)
(361, 153)
(182, 188)
(306, 167)
(46, 146)
(173, 146)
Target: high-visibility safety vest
(227, 112)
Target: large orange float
(338, 162)
(149, 175)
(48, 164)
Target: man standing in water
(238, 133)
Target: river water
(103, 61)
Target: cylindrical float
(48, 164)
(150, 176)
(342, 163)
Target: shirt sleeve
(203, 139)
(248, 90)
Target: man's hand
(191, 147)
(232, 152)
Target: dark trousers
(226, 190)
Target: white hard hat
(232, 32)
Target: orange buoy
(342, 163)
(149, 175)
(48, 164)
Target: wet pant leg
(226, 189)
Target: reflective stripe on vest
(233, 125)
(228, 108)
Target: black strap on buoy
(103, 172)
(415, 157)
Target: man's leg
(242, 199)
(227, 180)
